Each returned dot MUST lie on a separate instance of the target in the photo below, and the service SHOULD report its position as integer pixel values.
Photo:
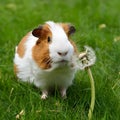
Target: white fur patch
(25, 64)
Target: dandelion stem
(92, 94)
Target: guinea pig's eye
(49, 40)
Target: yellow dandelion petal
(102, 26)
(22, 112)
(11, 6)
(116, 39)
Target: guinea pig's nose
(62, 53)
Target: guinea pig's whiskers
(48, 60)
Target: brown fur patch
(15, 69)
(40, 51)
(21, 46)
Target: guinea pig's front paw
(63, 93)
(44, 95)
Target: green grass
(17, 17)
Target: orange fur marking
(15, 69)
(21, 47)
(40, 51)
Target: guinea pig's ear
(68, 28)
(37, 31)
(71, 29)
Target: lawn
(97, 24)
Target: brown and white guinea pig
(47, 57)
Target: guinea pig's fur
(47, 57)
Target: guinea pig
(47, 58)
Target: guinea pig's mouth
(62, 62)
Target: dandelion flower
(87, 58)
